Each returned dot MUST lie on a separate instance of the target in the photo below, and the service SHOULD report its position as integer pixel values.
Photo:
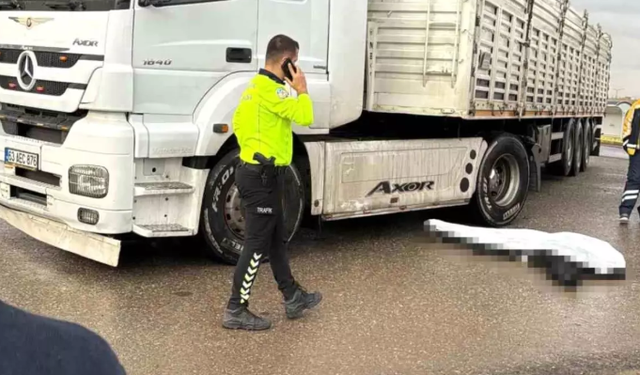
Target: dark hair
(279, 45)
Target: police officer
(631, 144)
(262, 124)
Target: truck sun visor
(569, 258)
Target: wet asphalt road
(393, 304)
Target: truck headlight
(89, 181)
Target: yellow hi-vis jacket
(631, 129)
(262, 121)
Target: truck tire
(596, 133)
(578, 147)
(503, 182)
(563, 167)
(588, 145)
(222, 219)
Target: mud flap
(539, 144)
(568, 258)
(535, 178)
(535, 168)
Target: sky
(620, 19)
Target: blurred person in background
(631, 144)
(36, 345)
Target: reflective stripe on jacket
(262, 121)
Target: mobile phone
(285, 68)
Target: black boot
(301, 301)
(242, 318)
(624, 219)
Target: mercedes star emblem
(26, 70)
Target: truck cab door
(183, 47)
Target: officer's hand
(299, 82)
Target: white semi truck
(116, 114)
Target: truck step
(162, 230)
(162, 188)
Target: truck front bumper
(93, 246)
(36, 195)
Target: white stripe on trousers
(245, 291)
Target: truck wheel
(563, 167)
(588, 145)
(503, 182)
(222, 222)
(578, 148)
(596, 134)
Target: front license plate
(22, 159)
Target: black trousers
(261, 194)
(632, 188)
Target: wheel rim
(587, 148)
(569, 149)
(504, 180)
(233, 212)
(579, 154)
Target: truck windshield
(63, 5)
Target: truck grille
(41, 87)
(30, 196)
(39, 125)
(40, 176)
(47, 59)
(33, 132)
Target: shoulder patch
(282, 93)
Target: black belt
(278, 170)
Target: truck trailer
(116, 114)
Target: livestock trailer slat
(462, 58)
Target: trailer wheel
(578, 150)
(563, 167)
(588, 145)
(596, 134)
(222, 222)
(503, 182)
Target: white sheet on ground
(591, 252)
